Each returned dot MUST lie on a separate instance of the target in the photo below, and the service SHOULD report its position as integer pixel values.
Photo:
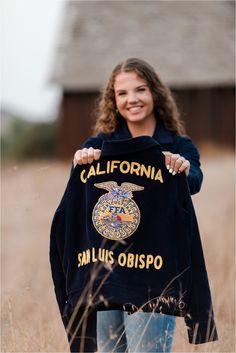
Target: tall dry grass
(30, 195)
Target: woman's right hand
(86, 155)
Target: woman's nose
(132, 98)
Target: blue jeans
(139, 332)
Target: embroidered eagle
(124, 190)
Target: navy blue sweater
(125, 235)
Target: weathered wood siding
(209, 114)
(75, 122)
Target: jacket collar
(161, 134)
(126, 146)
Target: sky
(29, 36)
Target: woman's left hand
(176, 163)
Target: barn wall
(208, 114)
(75, 122)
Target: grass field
(30, 195)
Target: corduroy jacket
(126, 235)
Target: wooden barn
(190, 44)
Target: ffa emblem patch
(115, 215)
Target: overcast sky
(29, 30)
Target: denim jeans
(117, 331)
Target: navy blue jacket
(125, 235)
(168, 141)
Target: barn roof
(188, 42)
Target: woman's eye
(141, 89)
(121, 93)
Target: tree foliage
(28, 140)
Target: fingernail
(170, 170)
(174, 172)
(168, 167)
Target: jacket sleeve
(200, 316)
(58, 276)
(188, 150)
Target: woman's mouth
(134, 110)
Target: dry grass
(30, 194)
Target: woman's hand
(86, 155)
(176, 163)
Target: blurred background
(56, 57)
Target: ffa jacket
(125, 235)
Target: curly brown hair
(165, 108)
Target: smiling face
(134, 99)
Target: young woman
(135, 102)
